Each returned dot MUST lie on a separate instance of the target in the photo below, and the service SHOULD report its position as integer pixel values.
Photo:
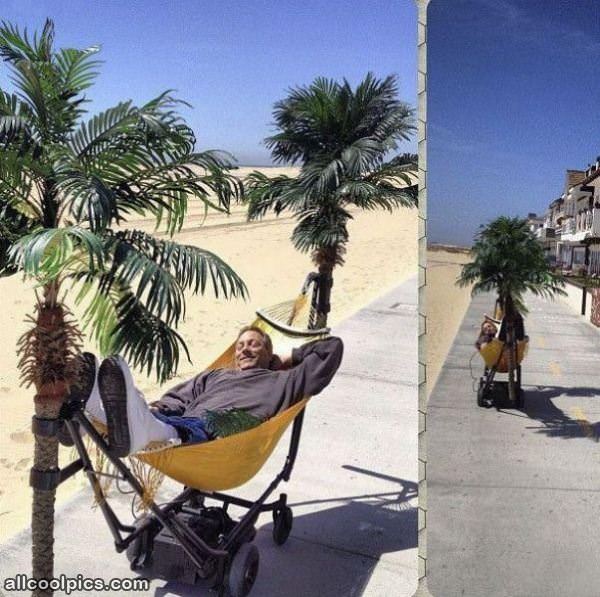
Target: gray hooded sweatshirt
(260, 392)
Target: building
(570, 233)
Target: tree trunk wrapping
(511, 344)
(42, 520)
(46, 358)
(324, 295)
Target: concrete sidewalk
(353, 490)
(513, 496)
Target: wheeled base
(185, 539)
(495, 393)
(154, 550)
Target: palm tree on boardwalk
(67, 187)
(341, 137)
(508, 259)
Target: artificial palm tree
(508, 259)
(67, 186)
(340, 137)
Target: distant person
(487, 333)
(261, 385)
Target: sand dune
(381, 254)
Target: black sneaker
(113, 392)
(78, 394)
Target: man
(261, 385)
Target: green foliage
(229, 422)
(68, 183)
(508, 259)
(340, 136)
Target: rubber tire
(283, 521)
(480, 397)
(132, 552)
(520, 402)
(243, 570)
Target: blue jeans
(191, 430)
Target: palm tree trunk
(324, 296)
(42, 520)
(511, 344)
(46, 356)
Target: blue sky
(514, 93)
(230, 60)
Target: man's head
(488, 328)
(253, 349)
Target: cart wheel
(243, 571)
(282, 524)
(483, 399)
(480, 394)
(137, 556)
(520, 397)
(139, 551)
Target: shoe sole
(113, 393)
(79, 393)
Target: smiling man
(261, 385)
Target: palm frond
(341, 137)
(15, 125)
(13, 226)
(19, 185)
(324, 226)
(145, 340)
(77, 68)
(264, 193)
(45, 253)
(157, 272)
(508, 259)
(227, 422)
(191, 266)
(64, 182)
(16, 46)
(119, 322)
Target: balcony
(595, 229)
(589, 227)
(579, 192)
(568, 227)
(545, 233)
(569, 206)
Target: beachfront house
(570, 233)
(543, 228)
(547, 233)
(579, 245)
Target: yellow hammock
(495, 354)
(231, 461)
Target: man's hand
(286, 361)
(154, 407)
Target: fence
(584, 300)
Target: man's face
(489, 328)
(251, 351)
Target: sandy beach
(381, 254)
(446, 305)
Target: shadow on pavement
(369, 525)
(539, 406)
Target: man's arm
(177, 398)
(314, 364)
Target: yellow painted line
(541, 341)
(582, 421)
(555, 369)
